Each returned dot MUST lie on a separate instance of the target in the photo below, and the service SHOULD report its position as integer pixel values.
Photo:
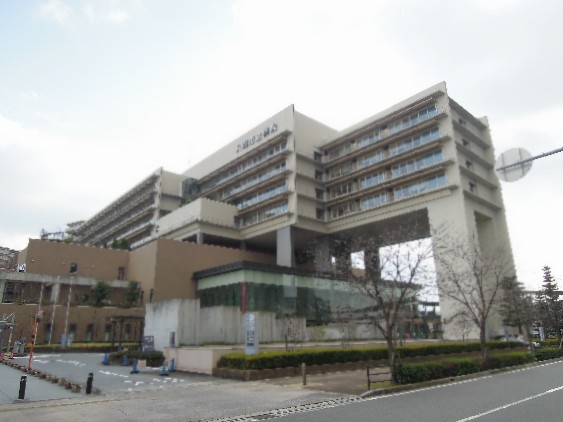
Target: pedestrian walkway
(348, 382)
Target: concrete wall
(54, 258)
(177, 261)
(142, 267)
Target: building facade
(292, 189)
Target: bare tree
(471, 280)
(390, 278)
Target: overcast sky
(95, 95)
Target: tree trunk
(483, 340)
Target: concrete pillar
(199, 238)
(285, 248)
(2, 287)
(323, 259)
(55, 291)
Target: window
(73, 267)
(465, 143)
(320, 214)
(121, 273)
(341, 190)
(340, 170)
(107, 333)
(414, 142)
(318, 175)
(127, 335)
(317, 156)
(407, 167)
(462, 122)
(371, 159)
(413, 119)
(473, 187)
(263, 214)
(374, 201)
(319, 194)
(89, 332)
(48, 328)
(368, 139)
(372, 180)
(419, 187)
(469, 164)
(72, 331)
(261, 196)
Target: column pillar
(322, 254)
(285, 248)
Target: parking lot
(76, 367)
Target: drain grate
(277, 413)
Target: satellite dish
(513, 164)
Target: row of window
(396, 171)
(261, 196)
(382, 198)
(246, 165)
(378, 156)
(419, 187)
(414, 142)
(251, 181)
(428, 160)
(413, 119)
(263, 214)
(375, 136)
(371, 159)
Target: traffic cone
(134, 370)
(171, 367)
(106, 359)
(163, 372)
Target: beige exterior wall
(177, 261)
(54, 258)
(142, 267)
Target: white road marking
(470, 418)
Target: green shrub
(546, 353)
(407, 373)
(320, 356)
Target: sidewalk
(348, 382)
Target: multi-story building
(133, 216)
(8, 258)
(292, 182)
(291, 187)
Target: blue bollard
(125, 360)
(171, 366)
(163, 372)
(106, 359)
(134, 370)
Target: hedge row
(283, 359)
(547, 353)
(408, 373)
(80, 347)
